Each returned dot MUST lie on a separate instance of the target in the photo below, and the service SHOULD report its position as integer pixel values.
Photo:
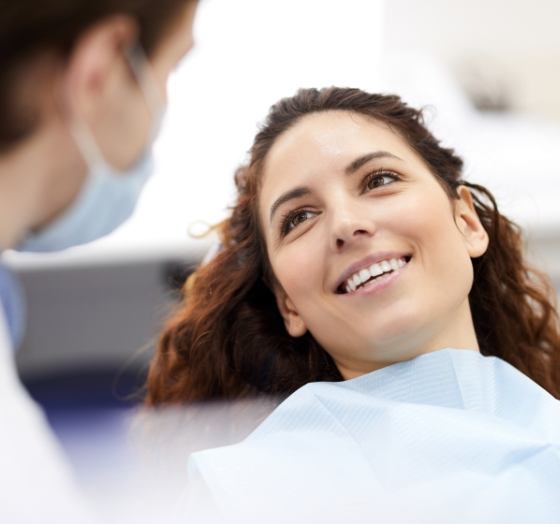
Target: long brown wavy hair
(227, 339)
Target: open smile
(368, 274)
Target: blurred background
(486, 72)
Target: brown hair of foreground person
(228, 341)
(32, 31)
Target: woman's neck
(455, 331)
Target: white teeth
(374, 270)
(364, 275)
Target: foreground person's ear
(469, 224)
(95, 60)
(295, 325)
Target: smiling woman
(354, 244)
(388, 299)
(390, 271)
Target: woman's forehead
(328, 129)
(329, 140)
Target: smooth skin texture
(338, 216)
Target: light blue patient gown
(449, 436)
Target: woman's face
(370, 254)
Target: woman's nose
(349, 227)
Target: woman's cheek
(300, 266)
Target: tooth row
(373, 271)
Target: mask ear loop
(142, 70)
(86, 143)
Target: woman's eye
(379, 179)
(294, 219)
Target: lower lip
(379, 284)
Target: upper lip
(366, 262)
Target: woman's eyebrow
(288, 195)
(351, 168)
(364, 159)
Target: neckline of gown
(453, 378)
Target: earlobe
(469, 224)
(295, 325)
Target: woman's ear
(295, 325)
(469, 224)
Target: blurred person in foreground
(82, 93)
(389, 302)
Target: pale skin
(42, 175)
(390, 204)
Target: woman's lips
(377, 285)
(375, 273)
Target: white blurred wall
(488, 44)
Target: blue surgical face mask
(108, 196)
